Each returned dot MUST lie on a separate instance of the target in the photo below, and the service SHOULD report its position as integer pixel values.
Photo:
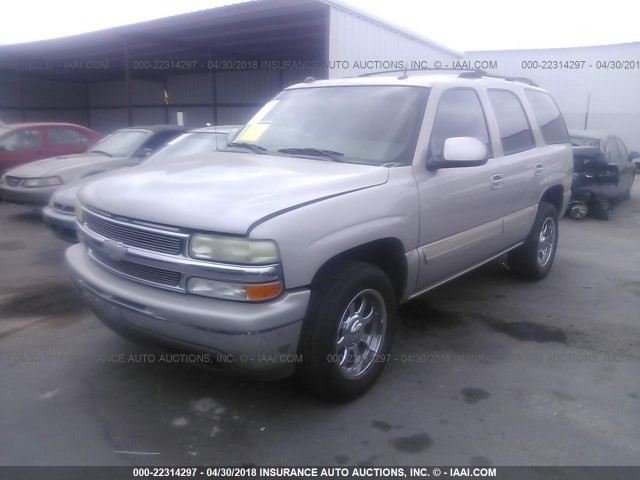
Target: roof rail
(431, 70)
(482, 74)
(464, 73)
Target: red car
(25, 142)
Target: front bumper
(251, 338)
(35, 198)
(62, 225)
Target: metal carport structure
(215, 66)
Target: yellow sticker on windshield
(252, 133)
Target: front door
(460, 208)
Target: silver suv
(341, 199)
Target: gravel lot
(485, 370)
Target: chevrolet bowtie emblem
(114, 250)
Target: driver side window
(459, 114)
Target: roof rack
(464, 73)
(435, 70)
(482, 74)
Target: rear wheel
(347, 334)
(534, 258)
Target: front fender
(310, 236)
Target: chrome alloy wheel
(361, 333)
(546, 241)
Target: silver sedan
(59, 215)
(32, 185)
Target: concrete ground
(485, 370)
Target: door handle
(538, 169)
(496, 181)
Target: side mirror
(462, 152)
(144, 152)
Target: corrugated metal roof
(265, 29)
(259, 29)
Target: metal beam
(127, 83)
(20, 95)
(214, 106)
(166, 104)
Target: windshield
(121, 144)
(191, 144)
(585, 142)
(357, 124)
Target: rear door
(555, 164)
(21, 146)
(626, 168)
(64, 140)
(520, 164)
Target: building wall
(9, 112)
(232, 99)
(43, 100)
(612, 94)
(220, 98)
(359, 38)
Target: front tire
(533, 259)
(347, 334)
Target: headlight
(222, 249)
(42, 182)
(234, 291)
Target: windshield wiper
(250, 146)
(314, 152)
(101, 152)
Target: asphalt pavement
(487, 370)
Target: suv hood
(225, 192)
(73, 165)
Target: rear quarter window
(548, 117)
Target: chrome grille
(63, 208)
(13, 181)
(142, 272)
(134, 236)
